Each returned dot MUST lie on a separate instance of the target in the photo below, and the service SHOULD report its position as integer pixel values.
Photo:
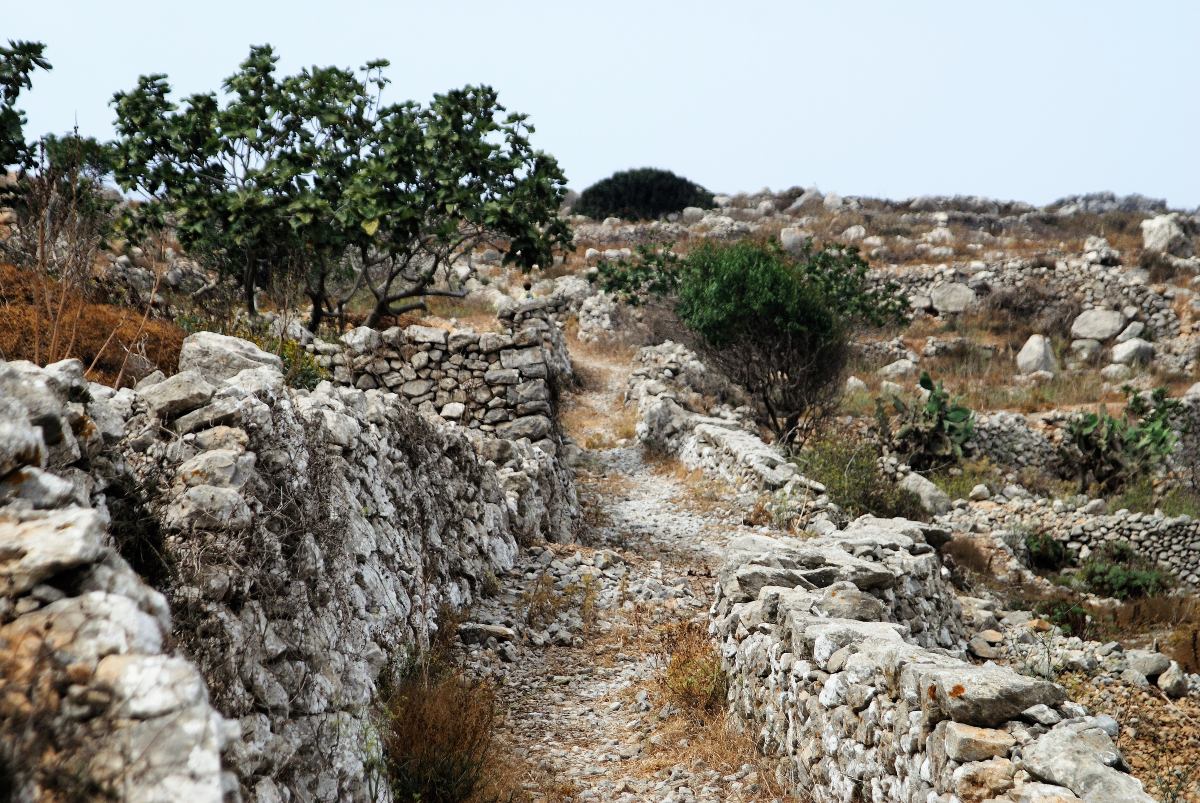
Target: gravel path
(573, 637)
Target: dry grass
(44, 321)
(1160, 738)
(699, 491)
(692, 678)
(701, 735)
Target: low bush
(437, 735)
(959, 481)
(1046, 552)
(847, 465)
(641, 194)
(692, 677)
(1118, 571)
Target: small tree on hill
(777, 325)
(641, 194)
(310, 180)
(17, 62)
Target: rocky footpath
(302, 542)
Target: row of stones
(492, 382)
(833, 676)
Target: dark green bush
(1046, 552)
(1118, 571)
(848, 468)
(641, 194)
(777, 325)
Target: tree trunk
(248, 288)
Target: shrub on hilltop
(641, 194)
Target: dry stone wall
(502, 383)
(846, 651)
(303, 542)
(849, 691)
(94, 699)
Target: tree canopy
(17, 62)
(641, 194)
(312, 181)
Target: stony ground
(574, 638)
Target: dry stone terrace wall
(502, 383)
(845, 652)
(1094, 283)
(1172, 542)
(835, 678)
(303, 541)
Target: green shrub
(848, 468)
(1181, 502)
(1046, 552)
(959, 481)
(1118, 571)
(641, 194)
(777, 325)
(929, 435)
(1114, 452)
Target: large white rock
(1133, 351)
(1098, 324)
(220, 357)
(952, 298)
(1165, 235)
(1037, 355)
(792, 238)
(933, 498)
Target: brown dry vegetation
(700, 734)
(1160, 738)
(44, 321)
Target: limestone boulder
(1098, 324)
(1037, 355)
(1133, 352)
(219, 357)
(951, 298)
(933, 499)
(1165, 234)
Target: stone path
(573, 638)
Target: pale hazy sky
(1023, 99)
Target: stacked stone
(307, 539)
(493, 382)
(94, 695)
(1009, 440)
(837, 681)
(1096, 285)
(1171, 541)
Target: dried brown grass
(43, 320)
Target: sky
(1022, 99)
